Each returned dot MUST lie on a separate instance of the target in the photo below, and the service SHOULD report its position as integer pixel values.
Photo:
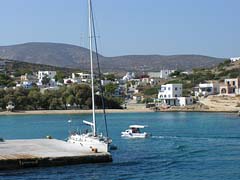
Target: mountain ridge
(72, 56)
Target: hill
(71, 56)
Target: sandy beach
(131, 109)
(210, 104)
(70, 111)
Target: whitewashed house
(171, 94)
(129, 76)
(233, 59)
(184, 101)
(49, 74)
(25, 84)
(73, 79)
(164, 73)
(85, 77)
(205, 89)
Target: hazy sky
(166, 27)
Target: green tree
(45, 80)
(110, 77)
(59, 76)
(34, 98)
(110, 88)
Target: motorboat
(134, 132)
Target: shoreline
(49, 112)
(109, 111)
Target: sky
(124, 27)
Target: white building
(145, 80)
(129, 76)
(206, 89)
(170, 91)
(85, 77)
(184, 101)
(25, 84)
(235, 59)
(171, 94)
(71, 80)
(49, 74)
(164, 73)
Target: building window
(165, 96)
(233, 83)
(175, 88)
(175, 95)
(169, 88)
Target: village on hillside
(165, 90)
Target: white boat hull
(87, 141)
(135, 135)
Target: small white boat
(134, 132)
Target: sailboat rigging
(92, 140)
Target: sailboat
(92, 140)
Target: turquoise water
(183, 146)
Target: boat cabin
(136, 128)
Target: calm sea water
(184, 146)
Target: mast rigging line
(98, 65)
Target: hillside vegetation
(224, 70)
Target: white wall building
(164, 73)
(71, 80)
(49, 74)
(129, 76)
(85, 77)
(171, 94)
(184, 101)
(206, 89)
(25, 84)
(233, 59)
(170, 91)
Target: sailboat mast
(91, 61)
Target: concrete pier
(16, 154)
